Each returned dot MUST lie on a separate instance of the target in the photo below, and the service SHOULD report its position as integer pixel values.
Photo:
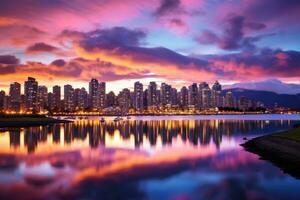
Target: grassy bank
(293, 134)
(27, 120)
(282, 149)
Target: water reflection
(165, 159)
(133, 133)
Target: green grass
(293, 134)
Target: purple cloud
(41, 47)
(8, 60)
(167, 7)
(111, 38)
(233, 34)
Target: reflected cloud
(88, 159)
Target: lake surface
(167, 157)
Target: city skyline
(143, 99)
(173, 41)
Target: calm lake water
(179, 157)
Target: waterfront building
(93, 94)
(56, 101)
(42, 97)
(69, 98)
(193, 96)
(31, 90)
(15, 97)
(152, 96)
(102, 95)
(183, 97)
(2, 97)
(138, 97)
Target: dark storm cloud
(8, 59)
(59, 62)
(114, 37)
(8, 64)
(167, 7)
(41, 47)
(280, 10)
(234, 34)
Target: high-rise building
(2, 97)
(93, 94)
(80, 99)
(111, 99)
(174, 97)
(56, 90)
(145, 99)
(243, 103)
(152, 96)
(15, 97)
(217, 86)
(102, 94)
(69, 98)
(193, 98)
(165, 94)
(203, 85)
(124, 100)
(50, 99)
(31, 90)
(229, 100)
(205, 95)
(42, 97)
(138, 96)
(216, 99)
(183, 97)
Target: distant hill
(268, 98)
(272, 85)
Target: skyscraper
(243, 103)
(217, 86)
(69, 98)
(174, 96)
(152, 96)
(165, 94)
(111, 99)
(138, 96)
(56, 98)
(216, 100)
(80, 99)
(2, 97)
(124, 100)
(183, 97)
(102, 94)
(42, 97)
(204, 95)
(93, 94)
(15, 96)
(229, 100)
(31, 89)
(193, 95)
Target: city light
(150, 100)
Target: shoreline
(282, 149)
(192, 114)
(28, 121)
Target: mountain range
(271, 85)
(268, 98)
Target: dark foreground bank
(27, 120)
(282, 149)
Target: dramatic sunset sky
(122, 41)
